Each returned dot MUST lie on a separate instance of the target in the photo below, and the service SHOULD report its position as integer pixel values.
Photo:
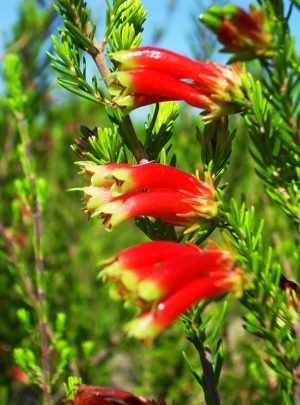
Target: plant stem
(297, 369)
(151, 126)
(137, 148)
(197, 336)
(35, 211)
(211, 393)
(12, 258)
(210, 390)
(97, 55)
(100, 60)
(36, 215)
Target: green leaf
(194, 373)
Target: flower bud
(248, 35)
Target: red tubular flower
(146, 75)
(124, 178)
(96, 196)
(182, 67)
(172, 275)
(156, 281)
(152, 322)
(96, 395)
(101, 175)
(174, 278)
(150, 189)
(144, 254)
(155, 83)
(246, 34)
(131, 102)
(174, 207)
(137, 263)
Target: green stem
(151, 126)
(297, 368)
(210, 390)
(197, 336)
(136, 146)
(39, 261)
(13, 259)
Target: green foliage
(77, 21)
(210, 348)
(27, 36)
(27, 360)
(72, 66)
(16, 100)
(273, 323)
(124, 24)
(79, 34)
(100, 145)
(274, 150)
(215, 141)
(71, 387)
(160, 128)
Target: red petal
(152, 322)
(164, 61)
(94, 395)
(153, 82)
(155, 175)
(152, 252)
(177, 271)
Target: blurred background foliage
(99, 353)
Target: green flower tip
(210, 21)
(220, 11)
(149, 291)
(123, 58)
(143, 327)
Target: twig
(36, 215)
(14, 260)
(35, 212)
(197, 336)
(21, 43)
(7, 147)
(97, 55)
(99, 60)
(104, 354)
(297, 369)
(208, 376)
(151, 126)
(210, 390)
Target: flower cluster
(166, 278)
(149, 75)
(245, 34)
(118, 192)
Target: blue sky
(179, 24)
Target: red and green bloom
(150, 75)
(245, 34)
(120, 192)
(168, 281)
